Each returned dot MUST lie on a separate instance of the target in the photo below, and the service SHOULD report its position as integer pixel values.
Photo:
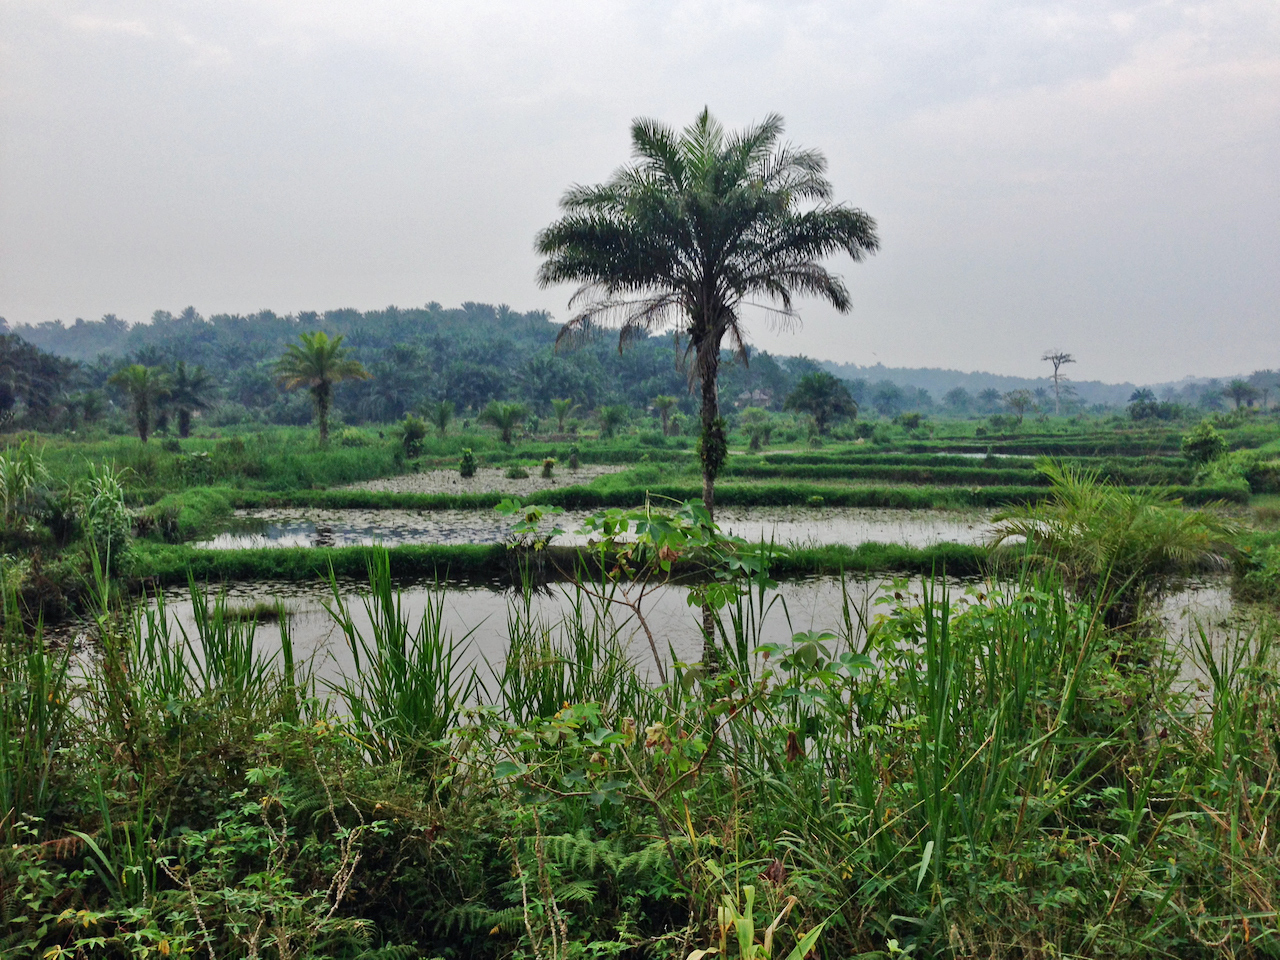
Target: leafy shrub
(517, 472)
(413, 431)
(548, 465)
(468, 466)
(1204, 444)
(352, 437)
(104, 516)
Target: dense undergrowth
(994, 773)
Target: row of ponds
(480, 613)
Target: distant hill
(477, 352)
(938, 381)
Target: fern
(579, 851)
(470, 917)
(581, 891)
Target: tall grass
(36, 721)
(409, 682)
(942, 772)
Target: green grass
(992, 774)
(169, 564)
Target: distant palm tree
(702, 223)
(505, 416)
(663, 405)
(439, 415)
(1241, 392)
(145, 387)
(317, 363)
(611, 418)
(190, 391)
(562, 409)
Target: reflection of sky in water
(799, 525)
(480, 614)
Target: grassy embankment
(188, 490)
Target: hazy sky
(1103, 177)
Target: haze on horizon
(1100, 177)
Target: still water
(793, 525)
(477, 616)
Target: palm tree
(439, 415)
(145, 388)
(317, 363)
(663, 405)
(505, 416)
(1241, 392)
(698, 226)
(562, 409)
(190, 391)
(611, 418)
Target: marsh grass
(410, 683)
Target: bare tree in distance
(1059, 360)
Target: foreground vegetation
(993, 774)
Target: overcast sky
(1101, 177)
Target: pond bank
(168, 564)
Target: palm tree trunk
(322, 411)
(712, 434)
(184, 422)
(712, 452)
(142, 418)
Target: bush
(413, 431)
(351, 437)
(468, 466)
(517, 472)
(1204, 444)
(547, 466)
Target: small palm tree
(1118, 546)
(505, 416)
(317, 363)
(439, 415)
(191, 390)
(145, 387)
(663, 405)
(611, 418)
(562, 409)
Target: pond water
(786, 525)
(478, 616)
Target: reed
(409, 683)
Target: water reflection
(797, 525)
(482, 612)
